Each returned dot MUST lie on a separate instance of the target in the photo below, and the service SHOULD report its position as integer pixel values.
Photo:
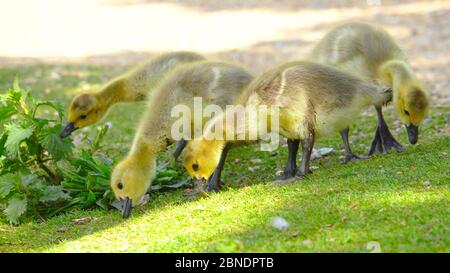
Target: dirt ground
(255, 33)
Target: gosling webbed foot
(287, 174)
(301, 174)
(353, 157)
(285, 177)
(384, 141)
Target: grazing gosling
(314, 100)
(371, 53)
(135, 85)
(216, 83)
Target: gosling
(215, 82)
(314, 100)
(135, 85)
(371, 53)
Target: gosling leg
(179, 148)
(383, 140)
(291, 166)
(349, 155)
(307, 147)
(214, 183)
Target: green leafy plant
(87, 174)
(42, 174)
(28, 142)
(29, 194)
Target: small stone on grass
(279, 223)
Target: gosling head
(202, 157)
(130, 182)
(412, 104)
(83, 111)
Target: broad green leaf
(54, 193)
(7, 184)
(16, 134)
(57, 147)
(16, 208)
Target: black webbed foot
(384, 141)
(300, 174)
(285, 177)
(352, 157)
(287, 174)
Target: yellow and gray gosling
(371, 53)
(314, 100)
(135, 85)
(215, 82)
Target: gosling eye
(120, 185)
(83, 116)
(406, 112)
(195, 166)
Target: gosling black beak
(67, 130)
(126, 207)
(413, 133)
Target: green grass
(400, 200)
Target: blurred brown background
(257, 34)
